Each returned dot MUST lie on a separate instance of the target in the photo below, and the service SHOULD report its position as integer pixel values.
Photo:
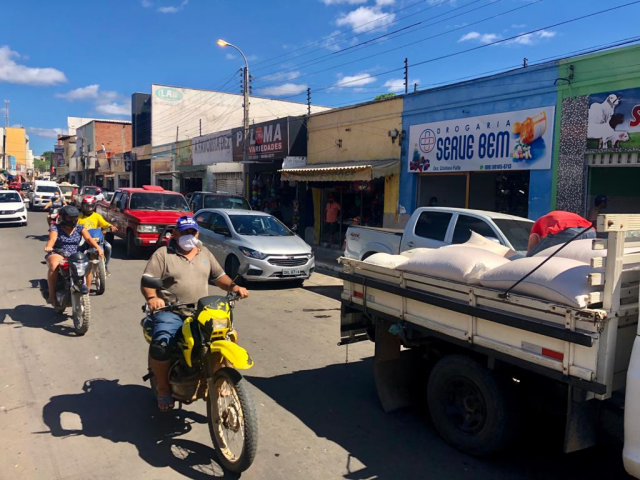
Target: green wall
(600, 72)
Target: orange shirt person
(556, 228)
(332, 213)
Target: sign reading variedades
(213, 148)
(614, 120)
(269, 140)
(520, 140)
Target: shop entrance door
(618, 184)
(191, 185)
(504, 192)
(447, 189)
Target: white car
(42, 192)
(12, 209)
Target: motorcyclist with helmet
(186, 268)
(64, 239)
(52, 206)
(91, 220)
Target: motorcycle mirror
(242, 271)
(151, 282)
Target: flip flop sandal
(168, 402)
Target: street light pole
(245, 90)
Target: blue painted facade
(526, 88)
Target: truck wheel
(470, 407)
(132, 249)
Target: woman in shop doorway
(332, 214)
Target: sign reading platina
(521, 140)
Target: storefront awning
(342, 172)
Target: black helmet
(69, 215)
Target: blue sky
(85, 58)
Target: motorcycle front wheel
(100, 276)
(81, 312)
(233, 421)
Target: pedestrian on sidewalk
(332, 215)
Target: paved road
(76, 408)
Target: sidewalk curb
(328, 266)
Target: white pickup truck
(485, 359)
(434, 227)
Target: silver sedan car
(256, 241)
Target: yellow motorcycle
(205, 366)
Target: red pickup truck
(144, 216)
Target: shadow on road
(330, 291)
(339, 403)
(42, 238)
(38, 316)
(127, 413)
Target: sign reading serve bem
(520, 140)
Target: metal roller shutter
(229, 182)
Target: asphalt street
(77, 408)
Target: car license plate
(291, 272)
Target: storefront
(599, 147)
(270, 143)
(212, 167)
(163, 173)
(351, 175)
(486, 144)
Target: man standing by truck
(556, 228)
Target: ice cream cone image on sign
(532, 128)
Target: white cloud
(230, 56)
(146, 4)
(12, 72)
(382, 3)
(533, 38)
(397, 84)
(46, 132)
(363, 19)
(175, 9)
(338, 2)
(114, 109)
(82, 93)
(357, 80)
(480, 37)
(282, 77)
(284, 89)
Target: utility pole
(6, 113)
(309, 101)
(406, 76)
(415, 87)
(200, 127)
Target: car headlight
(310, 255)
(21, 209)
(148, 228)
(249, 252)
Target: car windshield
(67, 188)
(236, 203)
(46, 189)
(260, 225)
(10, 197)
(90, 191)
(516, 231)
(158, 201)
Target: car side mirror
(152, 282)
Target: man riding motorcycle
(52, 206)
(186, 268)
(91, 220)
(63, 242)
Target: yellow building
(353, 156)
(17, 145)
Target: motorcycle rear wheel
(100, 277)
(232, 418)
(81, 312)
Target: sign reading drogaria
(269, 140)
(520, 140)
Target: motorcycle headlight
(220, 324)
(79, 268)
(147, 228)
(249, 252)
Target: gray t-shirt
(188, 279)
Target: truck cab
(144, 216)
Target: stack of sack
(563, 279)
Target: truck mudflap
(631, 452)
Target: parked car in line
(12, 209)
(199, 200)
(144, 216)
(88, 190)
(258, 240)
(434, 227)
(42, 192)
(67, 190)
(108, 196)
(15, 184)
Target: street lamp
(224, 43)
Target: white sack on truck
(458, 264)
(582, 250)
(479, 241)
(386, 260)
(561, 280)
(415, 251)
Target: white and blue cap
(186, 223)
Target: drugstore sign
(520, 140)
